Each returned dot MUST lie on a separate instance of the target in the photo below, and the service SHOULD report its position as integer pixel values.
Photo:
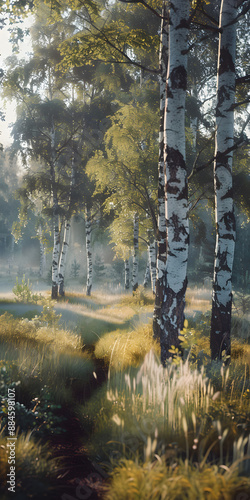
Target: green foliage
(23, 291)
(42, 417)
(75, 268)
(48, 316)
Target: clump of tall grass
(34, 469)
(67, 372)
(162, 403)
(120, 348)
(179, 481)
(151, 407)
(18, 332)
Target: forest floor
(103, 316)
(91, 317)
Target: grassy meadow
(96, 414)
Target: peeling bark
(172, 311)
(224, 210)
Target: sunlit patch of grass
(44, 356)
(169, 410)
(34, 468)
(179, 481)
(68, 373)
(141, 297)
(16, 332)
(149, 408)
(120, 348)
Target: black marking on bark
(222, 161)
(172, 320)
(169, 93)
(228, 194)
(226, 61)
(172, 189)
(223, 95)
(229, 221)
(228, 237)
(174, 160)
(178, 78)
(223, 265)
(217, 183)
(183, 193)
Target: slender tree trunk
(89, 252)
(56, 246)
(147, 273)
(63, 256)
(55, 256)
(126, 271)
(152, 264)
(224, 210)
(161, 236)
(67, 228)
(136, 253)
(172, 314)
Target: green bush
(23, 291)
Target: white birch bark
(224, 210)
(63, 257)
(56, 245)
(55, 255)
(172, 314)
(66, 236)
(152, 264)
(161, 236)
(135, 253)
(89, 252)
(126, 271)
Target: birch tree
(224, 210)
(135, 268)
(161, 232)
(172, 313)
(126, 274)
(89, 251)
